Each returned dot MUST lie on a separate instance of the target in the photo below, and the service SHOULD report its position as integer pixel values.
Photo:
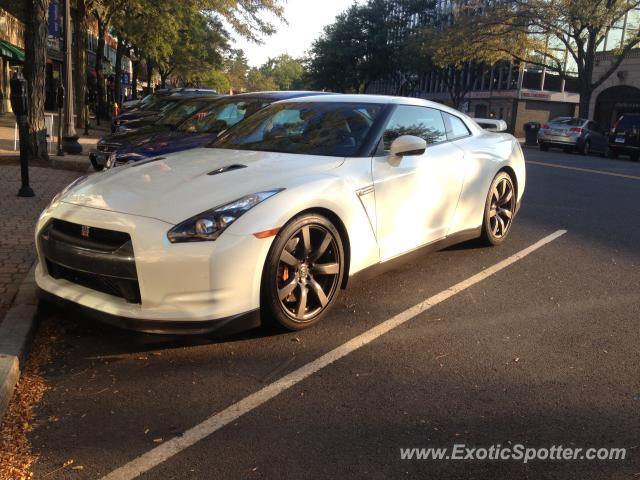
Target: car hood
(162, 143)
(178, 186)
(124, 138)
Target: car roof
(281, 94)
(383, 100)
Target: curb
(16, 333)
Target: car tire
(586, 148)
(96, 166)
(611, 153)
(544, 147)
(303, 273)
(499, 210)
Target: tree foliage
(553, 27)
(285, 72)
(450, 48)
(363, 44)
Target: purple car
(201, 129)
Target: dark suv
(624, 137)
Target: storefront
(11, 54)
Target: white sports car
(278, 215)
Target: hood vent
(226, 168)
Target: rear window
(571, 122)
(629, 121)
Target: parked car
(278, 215)
(570, 133)
(132, 105)
(169, 120)
(624, 137)
(201, 128)
(145, 114)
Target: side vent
(226, 168)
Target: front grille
(101, 259)
(108, 147)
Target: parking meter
(19, 97)
(20, 106)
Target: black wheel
(612, 153)
(499, 210)
(303, 272)
(544, 147)
(586, 148)
(96, 166)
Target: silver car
(571, 134)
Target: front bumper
(178, 283)
(220, 326)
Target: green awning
(11, 52)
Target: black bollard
(19, 105)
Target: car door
(598, 140)
(416, 196)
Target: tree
(199, 50)
(217, 80)
(81, 25)
(35, 43)
(336, 55)
(450, 49)
(364, 44)
(553, 27)
(236, 68)
(103, 10)
(285, 71)
(259, 82)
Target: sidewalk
(8, 132)
(19, 216)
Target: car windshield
(312, 128)
(161, 103)
(629, 121)
(183, 110)
(221, 115)
(569, 122)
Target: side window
(456, 128)
(422, 122)
(593, 126)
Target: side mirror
(407, 145)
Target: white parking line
(588, 170)
(218, 420)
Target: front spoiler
(221, 326)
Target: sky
(306, 20)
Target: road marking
(165, 451)
(588, 170)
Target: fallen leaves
(16, 457)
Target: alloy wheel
(308, 272)
(502, 208)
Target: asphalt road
(543, 353)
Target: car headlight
(63, 192)
(209, 225)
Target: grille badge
(85, 231)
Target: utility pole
(70, 138)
